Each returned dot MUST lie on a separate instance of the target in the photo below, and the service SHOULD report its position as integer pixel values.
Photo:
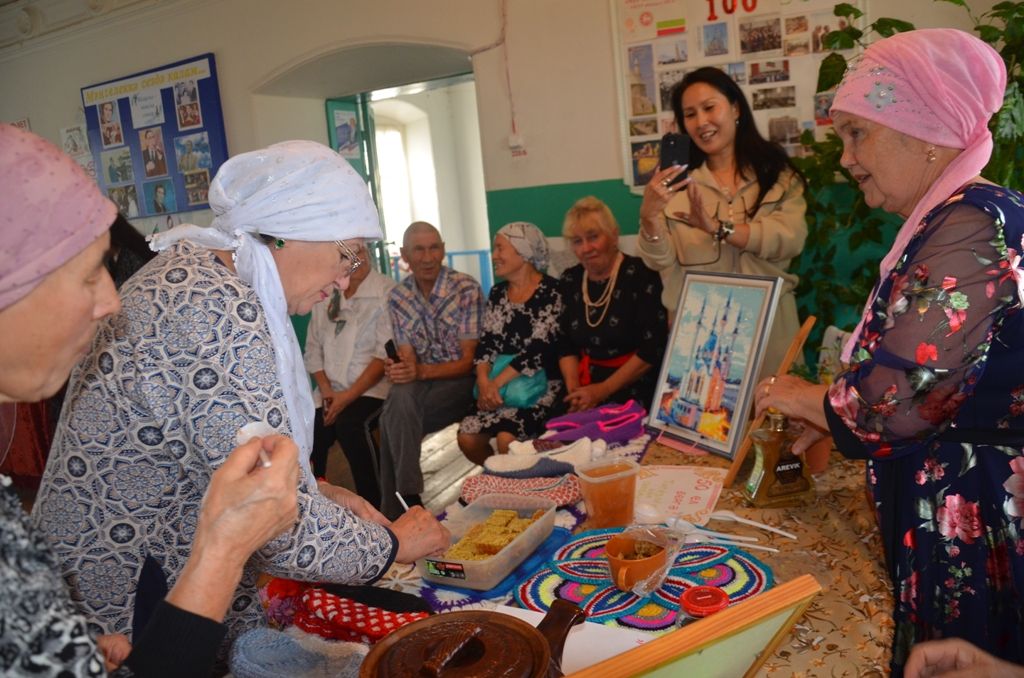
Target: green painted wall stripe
(546, 206)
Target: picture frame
(734, 642)
(713, 359)
(162, 128)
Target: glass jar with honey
(778, 477)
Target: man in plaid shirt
(435, 314)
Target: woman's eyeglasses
(354, 262)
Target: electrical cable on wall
(501, 42)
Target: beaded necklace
(604, 301)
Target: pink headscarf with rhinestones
(939, 85)
(51, 211)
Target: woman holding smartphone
(741, 210)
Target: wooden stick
(787, 362)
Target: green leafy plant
(846, 238)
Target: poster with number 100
(771, 48)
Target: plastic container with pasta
(492, 553)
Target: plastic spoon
(725, 514)
(686, 527)
(701, 539)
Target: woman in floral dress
(934, 396)
(522, 320)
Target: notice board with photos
(771, 48)
(157, 137)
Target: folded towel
(352, 620)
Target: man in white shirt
(345, 354)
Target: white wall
(559, 51)
(469, 177)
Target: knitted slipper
(535, 446)
(266, 653)
(607, 411)
(539, 466)
(547, 464)
(616, 430)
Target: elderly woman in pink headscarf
(54, 291)
(934, 394)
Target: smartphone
(675, 150)
(392, 350)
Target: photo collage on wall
(157, 137)
(771, 48)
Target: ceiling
(365, 68)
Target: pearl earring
(931, 154)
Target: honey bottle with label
(778, 477)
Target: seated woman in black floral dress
(614, 327)
(521, 321)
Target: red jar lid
(700, 601)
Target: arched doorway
(426, 96)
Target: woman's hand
(353, 502)
(793, 397)
(697, 216)
(657, 193)
(115, 649)
(586, 397)
(490, 396)
(810, 435)
(247, 505)
(956, 658)
(419, 534)
(333, 407)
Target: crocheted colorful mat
(578, 573)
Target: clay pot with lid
(476, 643)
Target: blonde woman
(614, 326)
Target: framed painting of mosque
(713, 359)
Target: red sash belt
(586, 361)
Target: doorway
(429, 167)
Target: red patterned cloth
(564, 490)
(30, 446)
(331, 616)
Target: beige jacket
(777, 234)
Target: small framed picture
(111, 133)
(713, 358)
(159, 196)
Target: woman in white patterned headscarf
(517, 343)
(54, 291)
(203, 348)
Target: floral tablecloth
(847, 631)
